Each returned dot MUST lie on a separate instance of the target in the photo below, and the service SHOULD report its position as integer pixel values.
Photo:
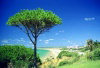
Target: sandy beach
(53, 52)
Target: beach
(52, 54)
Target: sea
(42, 53)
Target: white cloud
(51, 39)
(22, 39)
(46, 41)
(89, 18)
(40, 40)
(4, 41)
(19, 40)
(73, 46)
(61, 31)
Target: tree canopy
(39, 18)
(90, 44)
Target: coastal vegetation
(91, 58)
(67, 53)
(19, 56)
(68, 59)
(16, 56)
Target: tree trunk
(35, 52)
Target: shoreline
(52, 54)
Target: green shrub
(71, 61)
(89, 55)
(83, 49)
(64, 63)
(16, 55)
(74, 59)
(21, 64)
(67, 54)
(96, 54)
(64, 49)
(51, 66)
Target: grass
(86, 64)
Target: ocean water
(42, 53)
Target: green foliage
(51, 66)
(21, 64)
(43, 18)
(89, 55)
(64, 63)
(90, 44)
(16, 54)
(67, 54)
(84, 49)
(13, 53)
(96, 54)
(64, 49)
(75, 59)
(67, 62)
(96, 44)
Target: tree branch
(20, 28)
(31, 31)
(28, 34)
(40, 31)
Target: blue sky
(81, 21)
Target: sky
(80, 22)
